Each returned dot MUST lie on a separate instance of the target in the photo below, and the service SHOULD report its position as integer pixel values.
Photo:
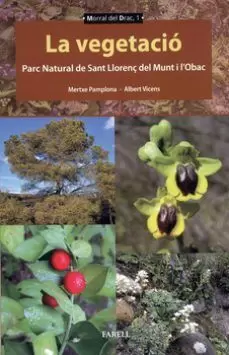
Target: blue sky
(102, 128)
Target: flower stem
(180, 242)
(66, 336)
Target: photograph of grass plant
(173, 304)
(12, 11)
(172, 194)
(57, 171)
(57, 289)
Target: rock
(124, 311)
(191, 344)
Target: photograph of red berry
(49, 301)
(57, 282)
(74, 282)
(60, 260)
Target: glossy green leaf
(81, 249)
(55, 237)
(31, 249)
(103, 318)
(44, 319)
(109, 348)
(45, 344)
(209, 166)
(22, 328)
(31, 288)
(109, 288)
(84, 330)
(88, 232)
(108, 245)
(145, 206)
(95, 275)
(63, 300)
(11, 313)
(43, 272)
(30, 302)
(78, 315)
(11, 237)
(15, 348)
(86, 339)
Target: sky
(102, 128)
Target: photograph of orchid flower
(171, 186)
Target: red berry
(49, 301)
(74, 282)
(60, 260)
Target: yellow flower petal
(152, 221)
(171, 185)
(179, 227)
(202, 185)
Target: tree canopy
(60, 158)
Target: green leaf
(145, 206)
(84, 330)
(88, 232)
(63, 300)
(31, 288)
(109, 348)
(161, 134)
(35, 229)
(81, 249)
(11, 313)
(95, 275)
(11, 237)
(78, 315)
(55, 237)
(109, 289)
(189, 208)
(86, 339)
(31, 249)
(45, 344)
(101, 319)
(14, 348)
(9, 290)
(44, 319)
(30, 302)
(20, 329)
(209, 166)
(43, 272)
(108, 245)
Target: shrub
(13, 211)
(65, 210)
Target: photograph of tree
(57, 171)
(172, 190)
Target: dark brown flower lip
(186, 179)
(167, 218)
